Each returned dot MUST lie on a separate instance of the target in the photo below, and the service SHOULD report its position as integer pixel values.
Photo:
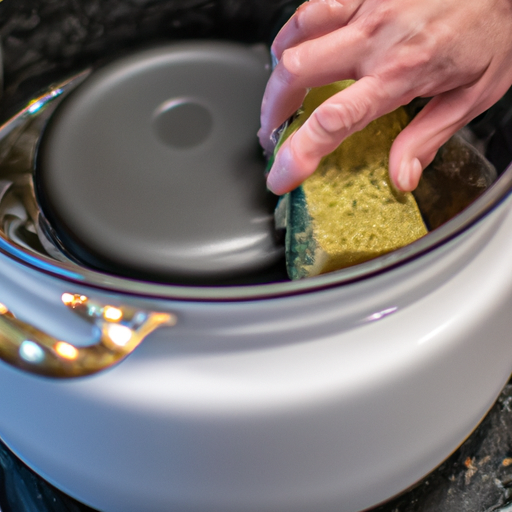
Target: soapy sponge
(348, 211)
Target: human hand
(458, 53)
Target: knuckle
(355, 112)
(300, 17)
(371, 24)
(291, 66)
(412, 64)
(329, 120)
(317, 132)
(335, 7)
(419, 53)
(425, 54)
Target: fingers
(314, 19)
(282, 98)
(333, 121)
(311, 64)
(416, 146)
(413, 149)
(413, 50)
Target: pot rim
(452, 229)
(64, 267)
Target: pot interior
(44, 44)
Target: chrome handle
(120, 331)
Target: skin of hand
(459, 53)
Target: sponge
(348, 211)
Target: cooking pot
(192, 390)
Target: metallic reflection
(120, 331)
(66, 350)
(31, 352)
(119, 334)
(21, 221)
(113, 314)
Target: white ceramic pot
(329, 394)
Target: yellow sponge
(348, 211)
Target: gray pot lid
(152, 166)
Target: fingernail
(276, 180)
(402, 179)
(416, 170)
(409, 174)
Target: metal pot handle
(120, 330)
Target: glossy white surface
(329, 401)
